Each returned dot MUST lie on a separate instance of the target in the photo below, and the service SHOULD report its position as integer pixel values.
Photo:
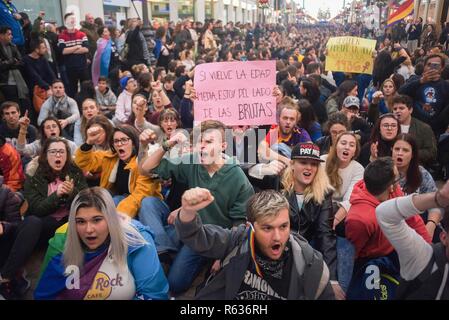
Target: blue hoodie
(7, 19)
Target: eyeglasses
(54, 152)
(121, 141)
(389, 126)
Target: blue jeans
(117, 199)
(345, 262)
(185, 268)
(154, 213)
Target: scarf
(272, 268)
(89, 271)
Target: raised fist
(196, 199)
(147, 136)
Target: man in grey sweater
(62, 107)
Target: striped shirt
(68, 40)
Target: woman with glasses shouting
(50, 191)
(119, 169)
(384, 132)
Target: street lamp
(380, 4)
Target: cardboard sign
(350, 54)
(236, 93)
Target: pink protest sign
(236, 93)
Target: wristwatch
(165, 145)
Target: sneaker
(7, 292)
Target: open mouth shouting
(58, 163)
(122, 154)
(92, 242)
(276, 250)
(91, 239)
(307, 177)
(399, 161)
(204, 157)
(345, 155)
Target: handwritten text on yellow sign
(350, 54)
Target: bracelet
(432, 222)
(436, 200)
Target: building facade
(113, 11)
(433, 11)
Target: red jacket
(362, 228)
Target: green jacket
(425, 139)
(36, 193)
(229, 186)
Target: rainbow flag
(402, 10)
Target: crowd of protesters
(103, 168)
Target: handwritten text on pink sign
(236, 93)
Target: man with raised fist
(261, 260)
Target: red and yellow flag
(402, 10)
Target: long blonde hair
(121, 233)
(333, 163)
(316, 191)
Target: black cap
(306, 150)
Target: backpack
(375, 279)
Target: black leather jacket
(314, 222)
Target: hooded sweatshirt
(229, 186)
(362, 228)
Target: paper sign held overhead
(236, 93)
(350, 54)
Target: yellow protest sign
(350, 54)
